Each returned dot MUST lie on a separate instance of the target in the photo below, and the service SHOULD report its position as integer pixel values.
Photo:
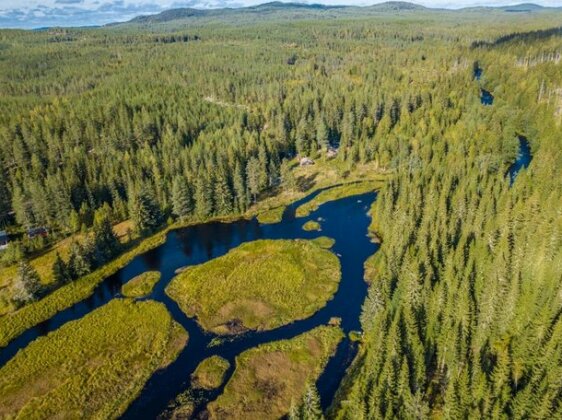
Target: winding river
(345, 220)
(524, 155)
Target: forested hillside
(160, 120)
(463, 314)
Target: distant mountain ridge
(182, 13)
(185, 13)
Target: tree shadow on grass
(305, 183)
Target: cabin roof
(37, 231)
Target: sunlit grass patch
(92, 367)
(271, 216)
(259, 285)
(270, 377)
(336, 193)
(311, 225)
(43, 264)
(210, 373)
(324, 242)
(141, 285)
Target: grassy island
(141, 285)
(259, 285)
(210, 373)
(269, 377)
(93, 367)
(324, 242)
(337, 193)
(271, 216)
(312, 225)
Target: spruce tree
(181, 200)
(144, 212)
(288, 178)
(106, 244)
(240, 190)
(203, 197)
(223, 195)
(254, 178)
(60, 270)
(310, 409)
(27, 285)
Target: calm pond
(345, 220)
(522, 161)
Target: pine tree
(144, 212)
(60, 270)
(74, 222)
(181, 200)
(106, 244)
(302, 142)
(79, 264)
(27, 285)
(322, 134)
(288, 178)
(253, 177)
(203, 197)
(310, 409)
(240, 191)
(223, 195)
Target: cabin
(306, 161)
(38, 231)
(3, 239)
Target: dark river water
(344, 220)
(524, 154)
(486, 97)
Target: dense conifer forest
(187, 118)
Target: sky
(41, 13)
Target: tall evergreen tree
(106, 243)
(181, 200)
(144, 211)
(253, 175)
(203, 197)
(26, 285)
(288, 178)
(240, 190)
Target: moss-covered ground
(271, 216)
(337, 193)
(93, 367)
(270, 377)
(210, 373)
(259, 285)
(324, 242)
(141, 285)
(312, 225)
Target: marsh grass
(269, 377)
(337, 193)
(210, 373)
(141, 285)
(43, 262)
(260, 285)
(324, 242)
(312, 225)
(15, 322)
(93, 367)
(271, 216)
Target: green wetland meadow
(284, 210)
